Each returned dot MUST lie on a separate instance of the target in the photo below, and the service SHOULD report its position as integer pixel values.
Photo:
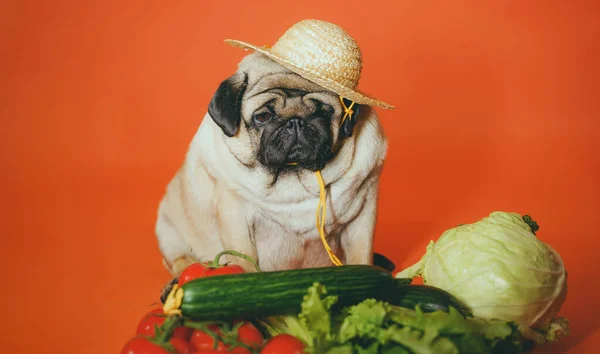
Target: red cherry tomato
(181, 346)
(203, 341)
(250, 335)
(141, 345)
(146, 325)
(236, 350)
(192, 272)
(283, 344)
(224, 269)
(198, 270)
(239, 350)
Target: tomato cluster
(238, 337)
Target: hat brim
(341, 90)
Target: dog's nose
(295, 124)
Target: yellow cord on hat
(322, 208)
(321, 219)
(321, 215)
(323, 197)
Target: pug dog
(248, 180)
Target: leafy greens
(374, 327)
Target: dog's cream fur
(222, 199)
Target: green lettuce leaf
(375, 327)
(341, 349)
(312, 325)
(368, 322)
(315, 317)
(421, 342)
(470, 335)
(365, 320)
(373, 348)
(393, 348)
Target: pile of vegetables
(374, 326)
(488, 287)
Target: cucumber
(429, 298)
(280, 293)
(383, 262)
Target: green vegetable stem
(532, 224)
(216, 262)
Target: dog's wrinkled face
(290, 122)
(294, 127)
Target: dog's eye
(263, 117)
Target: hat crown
(322, 48)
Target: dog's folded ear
(348, 125)
(225, 105)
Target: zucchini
(280, 293)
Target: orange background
(497, 109)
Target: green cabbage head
(499, 268)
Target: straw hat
(322, 53)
